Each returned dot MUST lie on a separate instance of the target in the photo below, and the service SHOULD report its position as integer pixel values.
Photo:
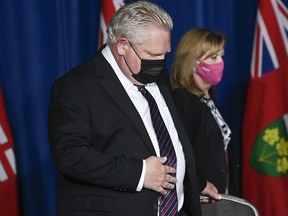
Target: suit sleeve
(69, 131)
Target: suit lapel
(114, 88)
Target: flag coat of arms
(265, 137)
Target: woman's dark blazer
(207, 141)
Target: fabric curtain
(41, 40)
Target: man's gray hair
(133, 20)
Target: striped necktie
(169, 201)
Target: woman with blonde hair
(198, 66)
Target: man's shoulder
(88, 65)
(86, 70)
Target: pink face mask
(210, 73)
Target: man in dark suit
(101, 133)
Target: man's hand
(158, 177)
(211, 191)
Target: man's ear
(121, 46)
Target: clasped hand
(158, 177)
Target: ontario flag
(8, 181)
(108, 8)
(265, 137)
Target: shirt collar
(126, 83)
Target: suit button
(155, 207)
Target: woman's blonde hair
(193, 45)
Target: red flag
(265, 137)
(108, 8)
(8, 181)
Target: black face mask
(150, 70)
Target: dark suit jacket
(98, 141)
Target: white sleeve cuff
(141, 181)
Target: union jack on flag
(8, 172)
(270, 41)
(265, 126)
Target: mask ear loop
(134, 50)
(195, 72)
(132, 73)
(194, 68)
(127, 65)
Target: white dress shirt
(142, 107)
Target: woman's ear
(121, 45)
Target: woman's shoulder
(184, 94)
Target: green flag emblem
(270, 151)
